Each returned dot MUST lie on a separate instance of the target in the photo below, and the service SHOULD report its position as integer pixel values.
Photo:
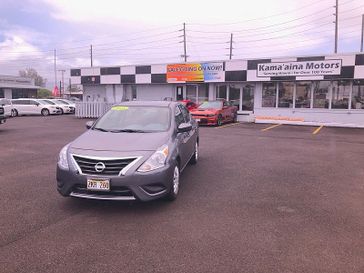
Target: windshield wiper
(128, 131)
(100, 129)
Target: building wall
(155, 92)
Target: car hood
(106, 141)
(205, 111)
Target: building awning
(19, 86)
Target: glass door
(191, 93)
(179, 92)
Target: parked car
(8, 107)
(34, 107)
(136, 150)
(64, 107)
(68, 102)
(215, 113)
(190, 105)
(2, 115)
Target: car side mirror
(89, 124)
(37, 103)
(184, 127)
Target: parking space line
(317, 130)
(271, 127)
(228, 125)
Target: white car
(65, 107)
(34, 107)
(8, 107)
(70, 103)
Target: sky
(148, 32)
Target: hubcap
(175, 180)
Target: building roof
(18, 86)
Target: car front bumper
(203, 120)
(134, 186)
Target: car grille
(114, 190)
(112, 166)
(1, 110)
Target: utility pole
(362, 33)
(336, 24)
(91, 55)
(184, 42)
(62, 82)
(55, 67)
(231, 46)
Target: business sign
(195, 72)
(307, 68)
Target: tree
(33, 74)
(43, 93)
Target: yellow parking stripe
(271, 127)
(227, 125)
(317, 130)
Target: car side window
(179, 116)
(32, 102)
(185, 113)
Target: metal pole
(336, 24)
(61, 90)
(231, 46)
(184, 42)
(362, 33)
(91, 56)
(55, 68)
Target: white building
(13, 87)
(300, 90)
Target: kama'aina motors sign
(307, 68)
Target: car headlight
(156, 161)
(62, 160)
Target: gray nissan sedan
(135, 151)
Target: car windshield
(134, 119)
(211, 104)
(49, 102)
(61, 102)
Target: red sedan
(215, 113)
(190, 105)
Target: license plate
(98, 184)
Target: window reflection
(321, 94)
(269, 94)
(248, 98)
(303, 95)
(285, 91)
(340, 95)
(357, 98)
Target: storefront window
(285, 92)
(321, 94)
(221, 92)
(191, 92)
(1, 93)
(203, 93)
(357, 98)
(340, 95)
(248, 98)
(133, 92)
(234, 96)
(269, 94)
(303, 95)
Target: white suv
(8, 107)
(34, 107)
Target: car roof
(149, 103)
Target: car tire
(14, 113)
(175, 183)
(219, 121)
(61, 113)
(45, 112)
(196, 155)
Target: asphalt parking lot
(279, 200)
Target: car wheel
(219, 120)
(14, 113)
(195, 156)
(45, 112)
(174, 188)
(61, 113)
